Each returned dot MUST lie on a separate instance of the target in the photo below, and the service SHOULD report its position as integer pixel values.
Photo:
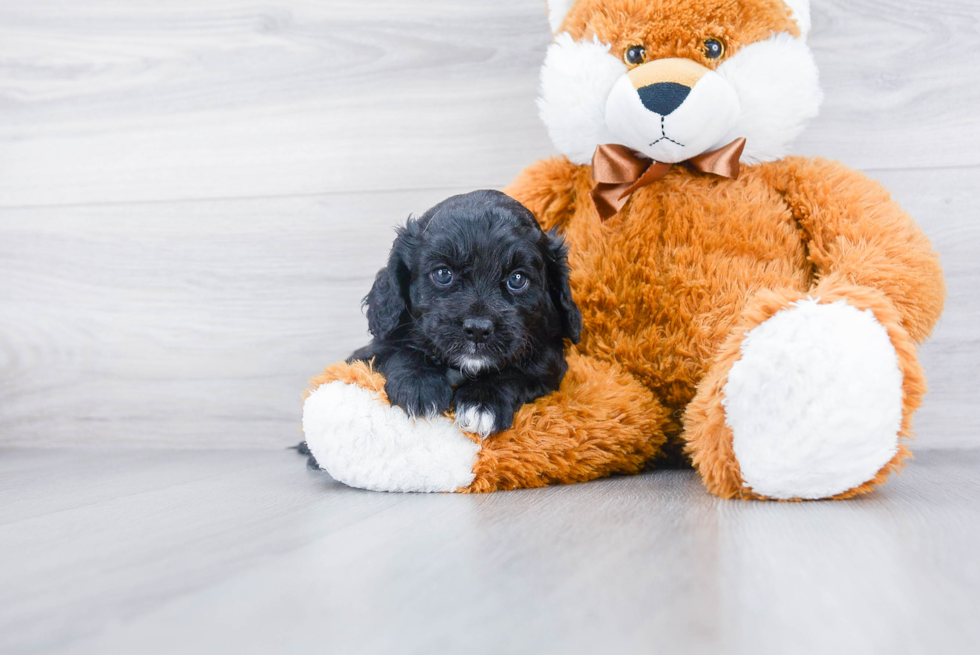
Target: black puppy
(472, 312)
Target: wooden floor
(248, 552)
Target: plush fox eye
(635, 55)
(714, 48)
(442, 276)
(517, 282)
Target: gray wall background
(194, 196)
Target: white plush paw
(369, 444)
(475, 419)
(815, 402)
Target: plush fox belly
(662, 283)
(674, 285)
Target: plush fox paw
(811, 403)
(815, 402)
(360, 439)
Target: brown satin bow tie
(619, 172)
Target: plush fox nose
(664, 84)
(664, 98)
(477, 329)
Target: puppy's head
(476, 283)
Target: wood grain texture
(114, 101)
(109, 101)
(945, 204)
(198, 324)
(232, 552)
(896, 75)
(194, 198)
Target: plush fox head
(674, 79)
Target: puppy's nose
(664, 84)
(477, 329)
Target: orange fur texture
(601, 421)
(678, 28)
(709, 439)
(359, 373)
(670, 285)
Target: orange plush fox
(754, 314)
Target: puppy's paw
(420, 395)
(477, 419)
(480, 410)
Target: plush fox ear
(557, 10)
(801, 14)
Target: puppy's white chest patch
(473, 365)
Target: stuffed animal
(752, 314)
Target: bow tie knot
(619, 172)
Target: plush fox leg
(601, 421)
(811, 397)
(363, 441)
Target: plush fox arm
(856, 233)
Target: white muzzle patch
(670, 121)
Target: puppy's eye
(635, 55)
(517, 282)
(443, 277)
(714, 48)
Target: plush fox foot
(810, 398)
(601, 421)
(363, 441)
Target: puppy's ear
(388, 301)
(556, 258)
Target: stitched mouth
(663, 135)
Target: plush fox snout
(665, 84)
(671, 109)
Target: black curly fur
(422, 330)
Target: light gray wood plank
(37, 483)
(197, 324)
(261, 556)
(123, 532)
(183, 324)
(118, 102)
(944, 202)
(896, 93)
